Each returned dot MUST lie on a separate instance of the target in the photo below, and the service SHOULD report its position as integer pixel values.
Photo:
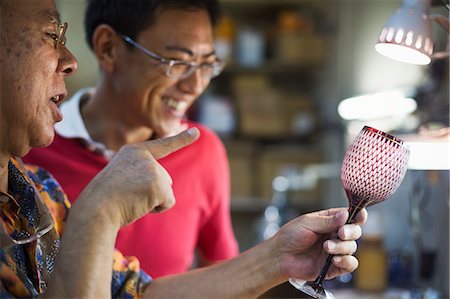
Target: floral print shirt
(24, 269)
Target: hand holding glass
(373, 167)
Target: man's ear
(105, 42)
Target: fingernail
(339, 214)
(337, 259)
(192, 131)
(346, 232)
(331, 245)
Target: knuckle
(163, 142)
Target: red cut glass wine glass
(374, 165)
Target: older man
(35, 261)
(155, 57)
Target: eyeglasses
(10, 230)
(59, 38)
(180, 69)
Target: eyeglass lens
(183, 70)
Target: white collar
(72, 125)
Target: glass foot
(311, 288)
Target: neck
(106, 121)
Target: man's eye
(180, 61)
(52, 35)
(207, 64)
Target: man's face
(150, 97)
(32, 75)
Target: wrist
(263, 267)
(90, 232)
(92, 205)
(274, 267)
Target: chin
(170, 133)
(176, 129)
(45, 140)
(163, 132)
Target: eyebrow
(51, 14)
(188, 51)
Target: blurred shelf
(275, 68)
(268, 2)
(277, 51)
(287, 139)
(241, 204)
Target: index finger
(159, 148)
(361, 217)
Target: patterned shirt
(24, 269)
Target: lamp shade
(407, 35)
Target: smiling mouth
(175, 105)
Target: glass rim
(384, 134)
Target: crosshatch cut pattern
(374, 165)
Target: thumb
(327, 221)
(159, 148)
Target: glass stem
(323, 271)
(352, 211)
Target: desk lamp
(407, 35)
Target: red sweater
(164, 242)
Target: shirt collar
(72, 125)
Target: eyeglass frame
(60, 37)
(44, 218)
(217, 66)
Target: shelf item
(268, 111)
(241, 156)
(281, 160)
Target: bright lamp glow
(378, 105)
(403, 54)
(407, 35)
